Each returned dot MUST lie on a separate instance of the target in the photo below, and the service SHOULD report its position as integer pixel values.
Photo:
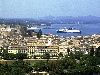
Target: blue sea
(86, 29)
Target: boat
(68, 30)
(33, 28)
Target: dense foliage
(11, 56)
(75, 64)
(17, 68)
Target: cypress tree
(92, 51)
(97, 52)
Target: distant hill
(51, 19)
(73, 19)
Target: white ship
(69, 30)
(33, 28)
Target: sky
(42, 8)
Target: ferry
(69, 30)
(33, 28)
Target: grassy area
(31, 61)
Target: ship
(33, 28)
(68, 30)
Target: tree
(46, 55)
(39, 66)
(92, 51)
(29, 33)
(78, 54)
(34, 56)
(9, 56)
(21, 56)
(20, 67)
(3, 51)
(39, 33)
(97, 52)
(23, 30)
(92, 61)
(72, 55)
(17, 71)
(57, 68)
(60, 54)
(68, 51)
(7, 69)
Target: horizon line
(46, 16)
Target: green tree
(92, 51)
(21, 56)
(46, 55)
(97, 52)
(3, 51)
(68, 51)
(23, 30)
(60, 54)
(92, 61)
(5, 69)
(40, 66)
(78, 55)
(17, 71)
(34, 56)
(39, 33)
(57, 68)
(29, 33)
(72, 56)
(9, 56)
(20, 67)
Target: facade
(17, 49)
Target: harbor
(86, 29)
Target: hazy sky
(41, 8)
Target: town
(17, 39)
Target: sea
(86, 29)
